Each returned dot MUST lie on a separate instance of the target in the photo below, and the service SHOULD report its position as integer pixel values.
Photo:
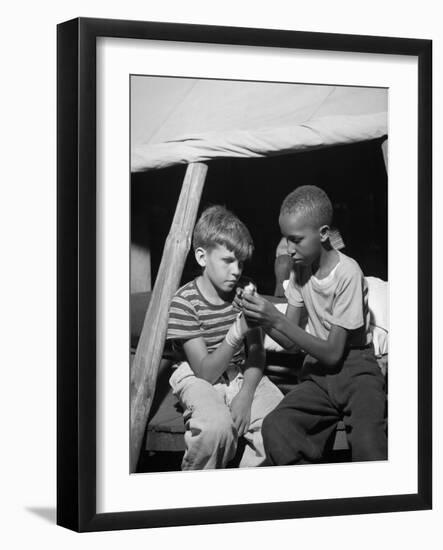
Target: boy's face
(221, 267)
(302, 236)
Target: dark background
(354, 177)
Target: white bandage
(239, 328)
(237, 331)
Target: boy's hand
(241, 412)
(237, 302)
(258, 310)
(282, 267)
(240, 291)
(282, 248)
(237, 331)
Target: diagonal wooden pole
(150, 346)
(384, 148)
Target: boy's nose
(235, 268)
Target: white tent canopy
(181, 121)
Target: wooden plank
(168, 417)
(150, 346)
(158, 441)
(140, 269)
(384, 148)
(166, 428)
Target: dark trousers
(301, 426)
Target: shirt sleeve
(293, 293)
(348, 304)
(183, 322)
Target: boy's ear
(324, 233)
(200, 256)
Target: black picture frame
(76, 266)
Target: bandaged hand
(237, 331)
(240, 327)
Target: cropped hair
(311, 201)
(219, 226)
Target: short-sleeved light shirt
(339, 299)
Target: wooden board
(166, 429)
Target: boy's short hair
(218, 225)
(309, 200)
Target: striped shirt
(192, 316)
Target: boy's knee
(369, 441)
(270, 428)
(219, 430)
(282, 440)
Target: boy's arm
(255, 362)
(293, 314)
(287, 333)
(253, 372)
(210, 366)
(329, 351)
(282, 270)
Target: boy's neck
(328, 259)
(209, 291)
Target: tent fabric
(176, 121)
(318, 133)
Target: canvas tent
(191, 122)
(199, 120)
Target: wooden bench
(166, 429)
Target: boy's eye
(295, 240)
(232, 260)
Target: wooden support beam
(150, 346)
(384, 148)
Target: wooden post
(384, 148)
(150, 346)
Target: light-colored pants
(210, 436)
